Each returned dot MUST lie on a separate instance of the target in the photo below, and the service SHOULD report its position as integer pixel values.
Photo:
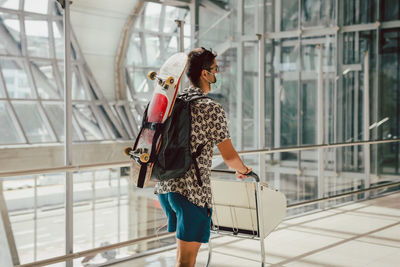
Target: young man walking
(187, 201)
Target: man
(186, 202)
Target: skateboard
(159, 109)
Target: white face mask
(215, 86)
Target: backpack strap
(195, 155)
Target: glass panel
(16, 79)
(37, 38)
(134, 55)
(55, 112)
(78, 91)
(88, 122)
(153, 50)
(13, 26)
(289, 20)
(250, 134)
(45, 83)
(289, 113)
(36, 209)
(3, 49)
(289, 54)
(357, 12)
(34, 124)
(58, 39)
(318, 13)
(152, 16)
(308, 112)
(249, 17)
(2, 89)
(37, 6)
(8, 130)
(388, 124)
(12, 4)
(391, 10)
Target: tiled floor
(365, 234)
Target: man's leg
(186, 253)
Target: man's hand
(243, 175)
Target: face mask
(215, 86)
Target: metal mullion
(376, 88)
(69, 184)
(299, 89)
(338, 84)
(37, 16)
(99, 118)
(239, 89)
(366, 119)
(359, 27)
(356, 96)
(51, 36)
(281, 34)
(390, 24)
(24, 42)
(277, 89)
(57, 77)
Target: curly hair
(199, 59)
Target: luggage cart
(249, 210)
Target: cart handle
(254, 175)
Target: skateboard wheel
(152, 75)
(170, 80)
(144, 158)
(127, 150)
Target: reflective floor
(360, 234)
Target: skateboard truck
(164, 83)
(141, 155)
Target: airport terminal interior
(311, 90)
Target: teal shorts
(190, 222)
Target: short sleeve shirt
(208, 127)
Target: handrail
(311, 147)
(95, 250)
(77, 168)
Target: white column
(69, 230)
(366, 107)
(320, 126)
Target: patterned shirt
(208, 127)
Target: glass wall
(330, 76)
(32, 67)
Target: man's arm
(232, 159)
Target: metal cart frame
(256, 225)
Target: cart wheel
(144, 158)
(127, 150)
(152, 75)
(170, 80)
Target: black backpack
(174, 156)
